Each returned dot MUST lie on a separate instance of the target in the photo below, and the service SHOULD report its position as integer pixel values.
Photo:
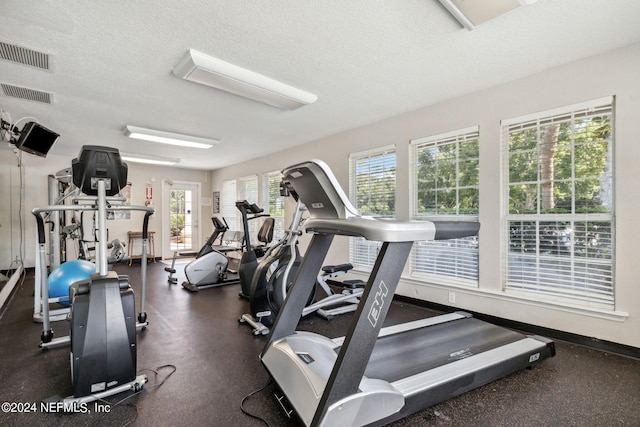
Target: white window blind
(559, 217)
(248, 190)
(445, 186)
(228, 204)
(273, 201)
(372, 182)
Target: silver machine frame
(41, 292)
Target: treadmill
(375, 375)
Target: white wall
(37, 169)
(614, 73)
(10, 233)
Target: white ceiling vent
(24, 56)
(26, 93)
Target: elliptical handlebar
(218, 225)
(37, 212)
(249, 207)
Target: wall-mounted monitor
(36, 139)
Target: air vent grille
(22, 55)
(26, 93)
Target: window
(559, 216)
(228, 208)
(372, 180)
(273, 201)
(248, 190)
(444, 178)
(245, 188)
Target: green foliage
(177, 224)
(564, 174)
(276, 201)
(448, 178)
(376, 185)
(575, 179)
(377, 194)
(177, 203)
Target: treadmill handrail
(384, 230)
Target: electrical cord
(21, 219)
(158, 385)
(137, 392)
(253, 393)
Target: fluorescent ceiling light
(207, 70)
(169, 138)
(150, 160)
(472, 13)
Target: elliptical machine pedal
(102, 314)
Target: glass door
(181, 229)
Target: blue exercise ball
(65, 275)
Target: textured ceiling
(365, 59)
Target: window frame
(363, 253)
(451, 262)
(567, 266)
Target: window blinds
(559, 228)
(445, 186)
(372, 182)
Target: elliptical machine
(274, 274)
(252, 253)
(103, 321)
(211, 265)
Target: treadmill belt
(408, 353)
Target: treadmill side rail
(303, 362)
(300, 371)
(524, 353)
(376, 399)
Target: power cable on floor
(153, 387)
(253, 393)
